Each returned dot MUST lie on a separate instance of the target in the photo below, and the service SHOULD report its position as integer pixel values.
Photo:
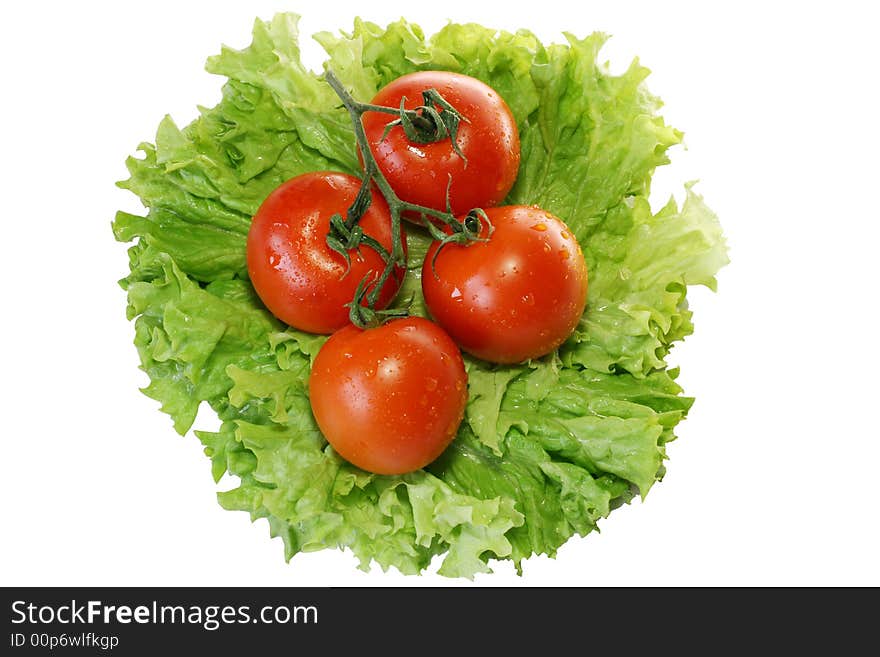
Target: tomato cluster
(390, 398)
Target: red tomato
(389, 399)
(419, 173)
(301, 280)
(515, 297)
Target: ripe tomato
(419, 173)
(389, 399)
(515, 297)
(301, 280)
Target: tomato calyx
(435, 120)
(346, 235)
(475, 226)
(367, 315)
(426, 124)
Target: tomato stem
(425, 124)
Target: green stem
(396, 205)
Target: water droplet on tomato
(431, 383)
(456, 294)
(540, 227)
(528, 299)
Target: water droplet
(540, 227)
(456, 294)
(564, 254)
(528, 299)
(565, 235)
(431, 383)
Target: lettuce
(548, 448)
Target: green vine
(433, 121)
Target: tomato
(389, 399)
(300, 279)
(419, 173)
(515, 297)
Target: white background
(774, 478)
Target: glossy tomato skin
(419, 173)
(298, 277)
(389, 399)
(517, 296)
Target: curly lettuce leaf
(548, 448)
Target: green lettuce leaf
(547, 448)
